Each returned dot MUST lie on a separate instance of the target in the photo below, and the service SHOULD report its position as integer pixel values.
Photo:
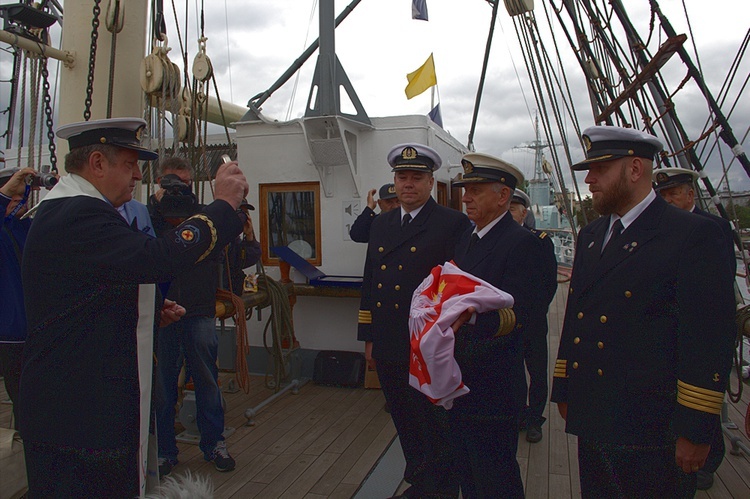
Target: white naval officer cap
(664, 178)
(603, 143)
(521, 197)
(415, 157)
(120, 132)
(482, 169)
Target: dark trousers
(535, 356)
(423, 432)
(485, 457)
(626, 471)
(11, 360)
(69, 472)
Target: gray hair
(77, 158)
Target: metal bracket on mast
(331, 134)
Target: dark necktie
(616, 230)
(473, 241)
(405, 221)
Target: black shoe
(166, 466)
(220, 457)
(534, 434)
(705, 479)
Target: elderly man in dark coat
(484, 423)
(86, 379)
(646, 344)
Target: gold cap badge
(409, 153)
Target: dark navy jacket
(726, 229)
(81, 269)
(397, 262)
(647, 339)
(360, 231)
(510, 258)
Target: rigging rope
(22, 113)
(281, 329)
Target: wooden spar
(38, 48)
(665, 52)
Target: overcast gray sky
(252, 42)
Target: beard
(613, 198)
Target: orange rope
(243, 348)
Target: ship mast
(673, 125)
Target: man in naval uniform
(645, 350)
(405, 244)
(535, 332)
(387, 201)
(484, 423)
(92, 315)
(675, 185)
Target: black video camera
(178, 200)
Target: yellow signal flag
(421, 79)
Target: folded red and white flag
(436, 304)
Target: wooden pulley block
(175, 81)
(202, 69)
(151, 73)
(183, 127)
(186, 100)
(118, 7)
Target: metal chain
(92, 60)
(48, 112)
(33, 109)
(113, 53)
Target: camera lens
(47, 180)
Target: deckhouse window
(290, 216)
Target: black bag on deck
(333, 367)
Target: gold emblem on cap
(468, 166)
(392, 190)
(409, 153)
(139, 132)
(587, 142)
(661, 177)
(103, 140)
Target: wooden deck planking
(324, 442)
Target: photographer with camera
(15, 187)
(195, 335)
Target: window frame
(265, 190)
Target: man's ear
(637, 169)
(96, 163)
(506, 193)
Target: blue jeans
(196, 338)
